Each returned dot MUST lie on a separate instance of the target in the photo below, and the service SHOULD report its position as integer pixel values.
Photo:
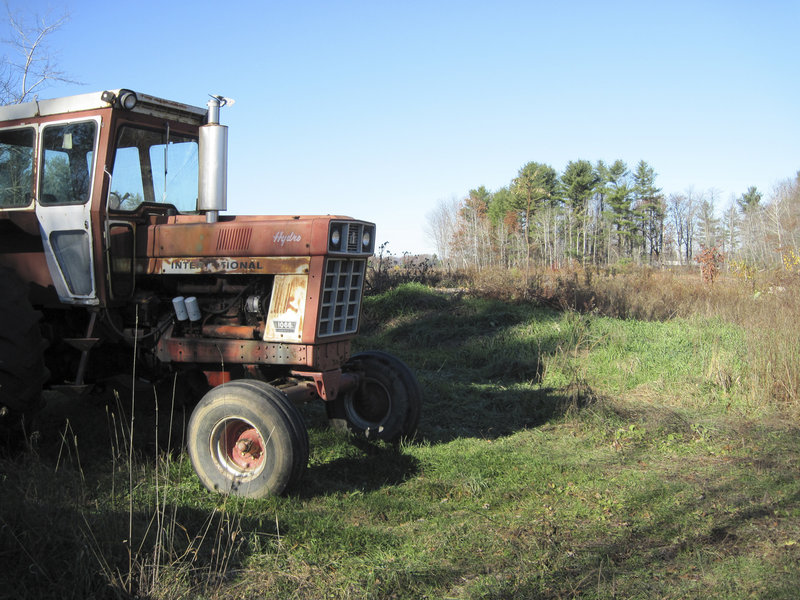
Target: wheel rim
(370, 405)
(238, 448)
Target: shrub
(710, 260)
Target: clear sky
(381, 109)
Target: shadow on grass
(493, 412)
(480, 362)
(705, 525)
(57, 547)
(737, 545)
(378, 467)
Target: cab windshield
(154, 166)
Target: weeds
(563, 451)
(764, 305)
(386, 271)
(115, 524)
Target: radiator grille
(354, 237)
(351, 237)
(341, 296)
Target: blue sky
(379, 110)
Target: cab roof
(145, 104)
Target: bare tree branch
(31, 67)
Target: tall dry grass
(102, 510)
(770, 316)
(766, 305)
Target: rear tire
(244, 440)
(385, 406)
(22, 370)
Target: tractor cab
(84, 164)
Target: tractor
(113, 244)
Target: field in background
(625, 433)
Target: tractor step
(82, 344)
(72, 389)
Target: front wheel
(385, 405)
(246, 439)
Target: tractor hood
(187, 243)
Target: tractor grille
(351, 237)
(354, 233)
(341, 296)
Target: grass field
(560, 454)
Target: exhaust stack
(213, 184)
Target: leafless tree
(441, 226)
(29, 64)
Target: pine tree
(649, 210)
(619, 201)
(579, 181)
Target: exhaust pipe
(213, 185)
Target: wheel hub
(240, 447)
(371, 404)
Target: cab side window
(16, 167)
(67, 163)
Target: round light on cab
(366, 239)
(127, 99)
(336, 237)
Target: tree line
(603, 213)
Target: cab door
(67, 156)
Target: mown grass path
(559, 455)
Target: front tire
(244, 440)
(385, 405)
(296, 423)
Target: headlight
(336, 237)
(127, 99)
(365, 240)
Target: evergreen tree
(600, 221)
(649, 210)
(619, 201)
(707, 223)
(506, 228)
(730, 229)
(533, 188)
(750, 200)
(578, 181)
(752, 224)
(473, 231)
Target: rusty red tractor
(112, 245)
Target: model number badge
(285, 326)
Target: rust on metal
(300, 392)
(204, 265)
(220, 351)
(322, 357)
(216, 378)
(234, 332)
(287, 308)
(234, 238)
(332, 355)
(250, 236)
(329, 384)
(243, 445)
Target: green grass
(559, 455)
